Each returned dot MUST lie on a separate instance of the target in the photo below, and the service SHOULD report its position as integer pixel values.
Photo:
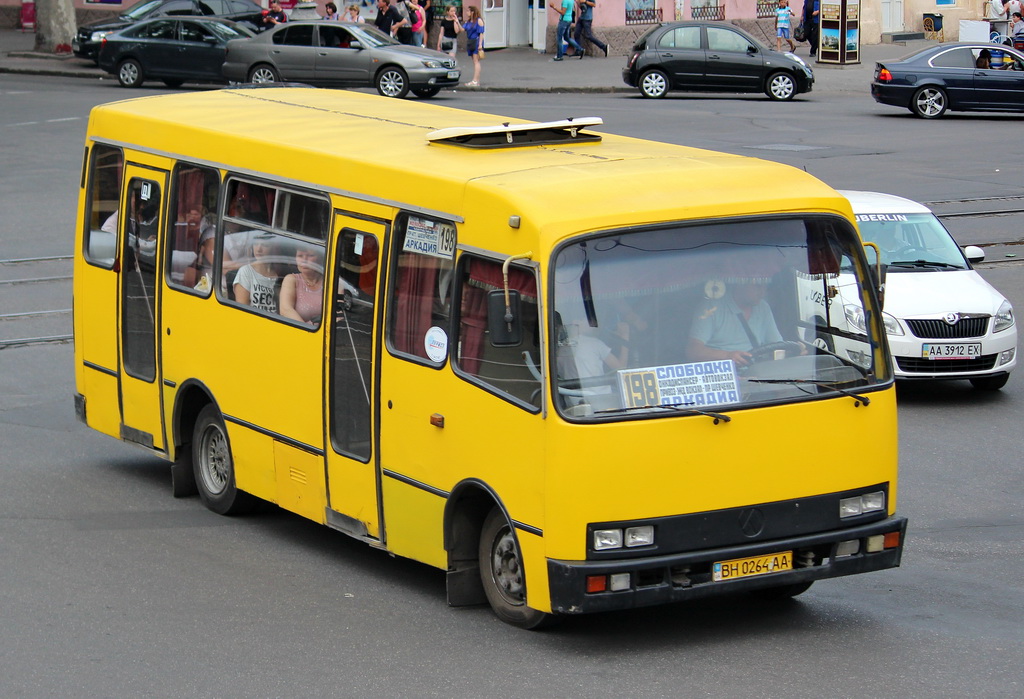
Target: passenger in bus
(255, 284)
(730, 326)
(582, 354)
(302, 292)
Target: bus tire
(129, 73)
(783, 592)
(502, 575)
(392, 82)
(214, 467)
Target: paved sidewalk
(504, 70)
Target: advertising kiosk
(839, 36)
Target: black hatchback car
(955, 77)
(86, 43)
(712, 57)
(172, 49)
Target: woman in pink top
(302, 293)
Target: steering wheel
(792, 349)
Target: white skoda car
(942, 319)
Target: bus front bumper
(688, 576)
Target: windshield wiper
(924, 263)
(821, 384)
(719, 417)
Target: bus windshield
(712, 317)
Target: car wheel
(392, 82)
(425, 92)
(502, 575)
(214, 466)
(990, 383)
(654, 84)
(929, 102)
(780, 86)
(129, 73)
(174, 84)
(263, 73)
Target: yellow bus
(576, 371)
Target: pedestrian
(352, 15)
(783, 23)
(811, 19)
(417, 22)
(401, 29)
(448, 37)
(564, 10)
(474, 28)
(331, 12)
(274, 16)
(386, 16)
(584, 26)
(1017, 25)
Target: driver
(731, 326)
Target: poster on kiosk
(840, 32)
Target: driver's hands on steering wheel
(741, 358)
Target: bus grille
(945, 366)
(933, 328)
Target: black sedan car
(86, 43)
(170, 49)
(957, 77)
(712, 57)
(340, 54)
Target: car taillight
(884, 76)
(103, 43)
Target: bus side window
(100, 243)
(512, 370)
(194, 204)
(421, 295)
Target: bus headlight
(630, 537)
(861, 504)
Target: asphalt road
(110, 587)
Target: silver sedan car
(339, 54)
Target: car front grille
(940, 329)
(917, 365)
(449, 64)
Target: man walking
(564, 11)
(584, 22)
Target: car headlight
(432, 63)
(98, 36)
(855, 316)
(1003, 318)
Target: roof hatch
(511, 135)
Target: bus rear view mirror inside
(504, 324)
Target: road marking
(54, 121)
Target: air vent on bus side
(511, 135)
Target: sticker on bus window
(435, 342)
(696, 384)
(434, 238)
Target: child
(782, 24)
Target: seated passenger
(255, 284)
(731, 326)
(585, 355)
(302, 293)
(984, 59)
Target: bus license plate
(756, 565)
(966, 351)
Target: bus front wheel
(214, 467)
(501, 571)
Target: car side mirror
(504, 323)
(751, 50)
(209, 40)
(355, 44)
(974, 254)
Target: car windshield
(912, 242)
(371, 37)
(140, 10)
(712, 317)
(229, 30)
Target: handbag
(800, 34)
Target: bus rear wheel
(501, 571)
(214, 467)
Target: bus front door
(353, 477)
(138, 326)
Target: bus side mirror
(877, 272)
(504, 323)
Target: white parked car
(942, 319)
